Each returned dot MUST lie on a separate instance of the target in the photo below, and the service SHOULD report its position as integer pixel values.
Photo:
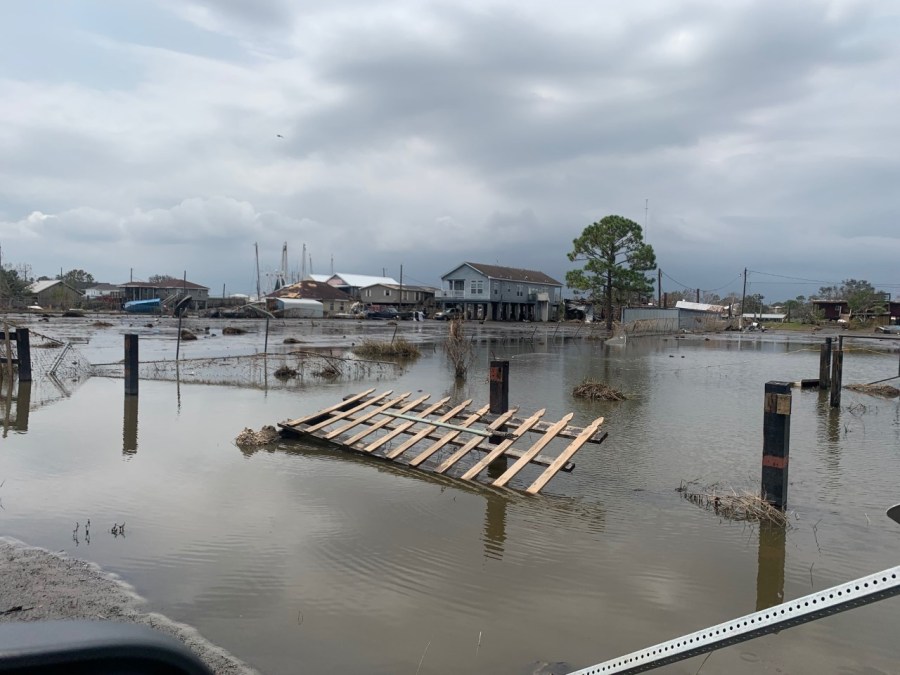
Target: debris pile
(292, 341)
(231, 330)
(732, 504)
(285, 373)
(883, 390)
(187, 335)
(264, 436)
(597, 391)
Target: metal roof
(513, 274)
(41, 286)
(359, 280)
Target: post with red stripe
(776, 443)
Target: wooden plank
(473, 443)
(378, 442)
(564, 456)
(406, 445)
(444, 440)
(369, 415)
(500, 449)
(347, 413)
(336, 406)
(383, 422)
(541, 443)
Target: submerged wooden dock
(451, 440)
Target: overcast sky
(171, 135)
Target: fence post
(23, 351)
(837, 373)
(131, 364)
(776, 443)
(825, 364)
(499, 387)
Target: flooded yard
(301, 559)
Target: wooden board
(367, 416)
(564, 456)
(526, 457)
(474, 443)
(336, 406)
(500, 449)
(347, 413)
(444, 440)
(383, 422)
(403, 447)
(378, 442)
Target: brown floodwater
(302, 559)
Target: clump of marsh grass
(731, 504)
(397, 348)
(459, 350)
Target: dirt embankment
(38, 585)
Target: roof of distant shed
(513, 274)
(397, 287)
(312, 290)
(41, 286)
(360, 280)
(165, 283)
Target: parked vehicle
(448, 314)
(383, 313)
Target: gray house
(500, 293)
(417, 297)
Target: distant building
(701, 307)
(352, 284)
(501, 293)
(334, 300)
(53, 293)
(833, 309)
(166, 290)
(102, 291)
(410, 297)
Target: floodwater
(301, 559)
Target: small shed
(53, 293)
(298, 308)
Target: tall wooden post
(499, 387)
(776, 443)
(131, 364)
(23, 405)
(23, 349)
(266, 343)
(837, 374)
(825, 364)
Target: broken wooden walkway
(451, 440)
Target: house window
(476, 287)
(518, 289)
(387, 292)
(331, 307)
(368, 292)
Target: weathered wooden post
(837, 374)
(266, 344)
(131, 364)
(825, 364)
(499, 379)
(499, 387)
(776, 443)
(23, 352)
(23, 405)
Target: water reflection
(770, 575)
(23, 406)
(495, 517)
(130, 426)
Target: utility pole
(698, 295)
(256, 246)
(303, 264)
(743, 296)
(401, 288)
(646, 209)
(659, 287)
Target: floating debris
(264, 436)
(732, 504)
(187, 335)
(292, 341)
(329, 371)
(399, 348)
(231, 330)
(883, 390)
(101, 324)
(597, 391)
(75, 313)
(285, 373)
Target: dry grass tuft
(231, 330)
(101, 324)
(329, 372)
(732, 504)
(187, 335)
(292, 341)
(399, 348)
(883, 390)
(597, 391)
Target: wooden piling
(499, 387)
(776, 442)
(825, 364)
(131, 364)
(837, 374)
(23, 352)
(266, 343)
